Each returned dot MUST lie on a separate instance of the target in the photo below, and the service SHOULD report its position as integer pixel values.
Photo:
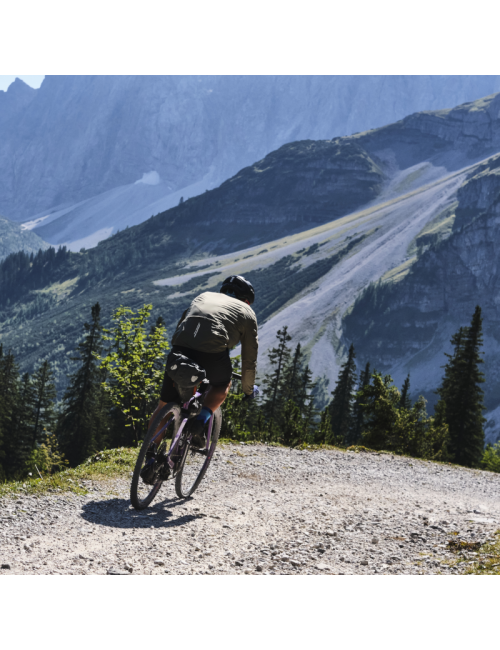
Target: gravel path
(262, 510)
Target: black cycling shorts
(217, 365)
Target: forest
(118, 372)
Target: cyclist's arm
(249, 350)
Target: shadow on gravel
(118, 513)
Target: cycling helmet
(237, 287)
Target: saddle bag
(184, 371)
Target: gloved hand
(253, 394)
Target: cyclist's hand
(253, 394)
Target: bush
(491, 458)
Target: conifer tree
(81, 430)
(324, 432)
(292, 376)
(357, 409)
(306, 400)
(9, 377)
(20, 441)
(462, 395)
(405, 401)
(342, 402)
(44, 395)
(273, 382)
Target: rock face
(90, 134)
(13, 238)
(13, 101)
(414, 204)
(405, 326)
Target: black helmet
(237, 287)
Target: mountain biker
(212, 325)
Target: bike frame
(175, 441)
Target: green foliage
(461, 396)
(273, 383)
(134, 366)
(394, 428)
(491, 458)
(358, 418)
(46, 458)
(84, 422)
(342, 402)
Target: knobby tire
(137, 502)
(184, 491)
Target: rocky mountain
(94, 154)
(312, 225)
(404, 324)
(14, 237)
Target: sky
(33, 80)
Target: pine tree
(306, 400)
(357, 409)
(342, 402)
(405, 401)
(9, 378)
(44, 395)
(81, 429)
(292, 376)
(462, 395)
(273, 382)
(324, 431)
(20, 442)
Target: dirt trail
(262, 510)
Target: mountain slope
(394, 192)
(412, 317)
(14, 238)
(92, 134)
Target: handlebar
(236, 376)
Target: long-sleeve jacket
(214, 322)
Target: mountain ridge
(313, 276)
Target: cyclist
(212, 325)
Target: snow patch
(29, 225)
(149, 178)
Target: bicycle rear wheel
(142, 493)
(194, 463)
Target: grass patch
(108, 464)
(457, 545)
(488, 562)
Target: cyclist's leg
(168, 393)
(216, 396)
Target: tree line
(115, 386)
(369, 410)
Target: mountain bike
(181, 462)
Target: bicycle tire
(137, 502)
(183, 491)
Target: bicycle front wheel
(150, 467)
(194, 463)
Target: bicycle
(183, 463)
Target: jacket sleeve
(249, 350)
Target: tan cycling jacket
(214, 322)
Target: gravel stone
(286, 511)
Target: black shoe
(196, 428)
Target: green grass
(488, 562)
(108, 464)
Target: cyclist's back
(213, 324)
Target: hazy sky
(33, 80)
